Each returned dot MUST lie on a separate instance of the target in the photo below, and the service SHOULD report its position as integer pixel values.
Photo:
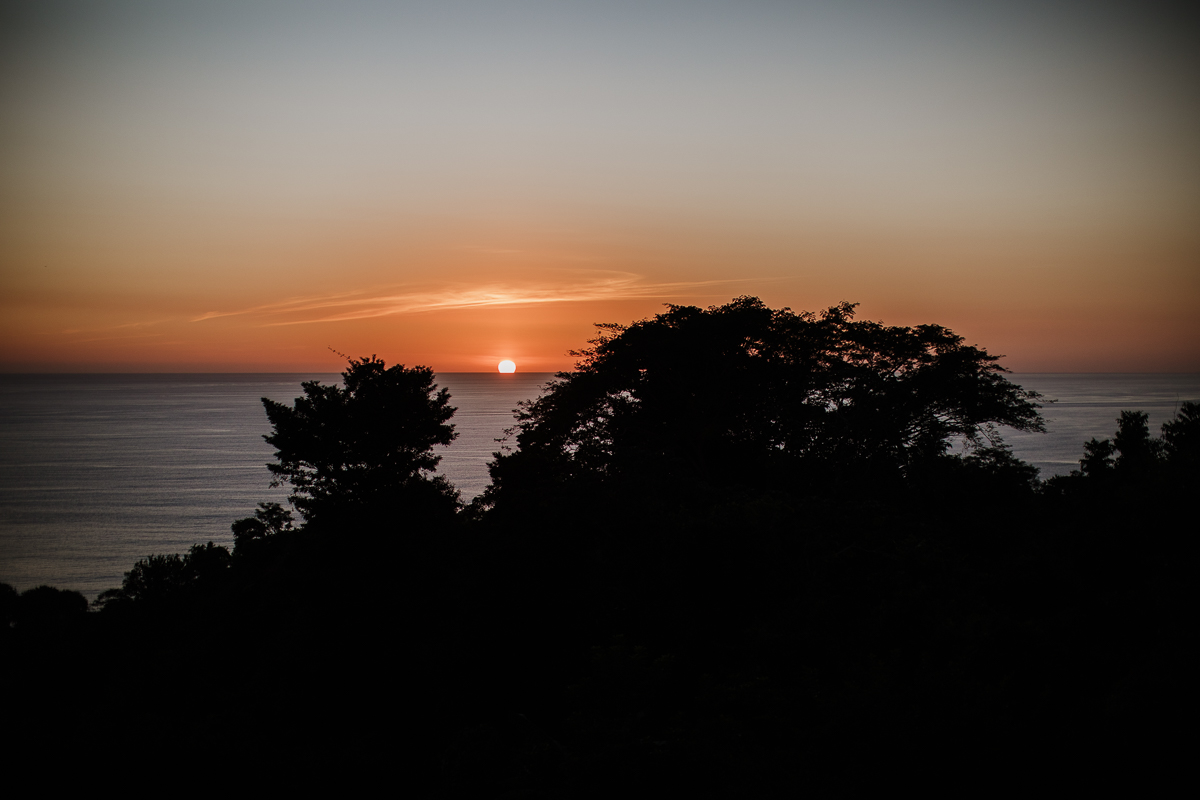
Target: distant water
(97, 471)
(486, 402)
(1087, 406)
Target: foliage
(1098, 457)
(44, 606)
(997, 470)
(754, 631)
(741, 392)
(1133, 455)
(10, 602)
(164, 581)
(270, 519)
(1181, 438)
(366, 445)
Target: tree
(1181, 438)
(270, 519)
(167, 582)
(1133, 453)
(46, 606)
(364, 449)
(742, 394)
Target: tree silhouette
(1132, 454)
(761, 560)
(269, 519)
(1181, 438)
(164, 582)
(365, 448)
(45, 606)
(745, 394)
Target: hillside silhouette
(737, 548)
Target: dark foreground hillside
(808, 595)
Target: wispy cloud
(583, 285)
(292, 304)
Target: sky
(252, 186)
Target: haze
(241, 186)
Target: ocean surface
(97, 471)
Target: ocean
(97, 471)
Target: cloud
(364, 304)
(285, 306)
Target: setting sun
(507, 366)
(438, 216)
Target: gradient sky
(240, 186)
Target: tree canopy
(732, 543)
(1134, 455)
(742, 392)
(365, 447)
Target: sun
(507, 366)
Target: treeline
(733, 549)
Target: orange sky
(224, 189)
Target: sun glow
(507, 366)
